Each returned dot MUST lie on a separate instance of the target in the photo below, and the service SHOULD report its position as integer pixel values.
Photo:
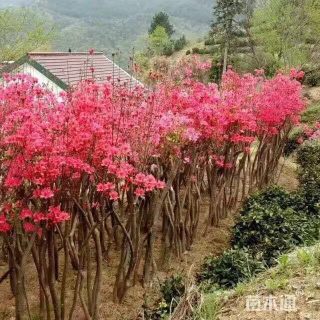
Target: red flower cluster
(112, 140)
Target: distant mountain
(8, 3)
(109, 25)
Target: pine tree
(161, 19)
(226, 14)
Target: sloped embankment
(289, 291)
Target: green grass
(312, 114)
(302, 263)
(211, 306)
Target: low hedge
(228, 270)
(271, 223)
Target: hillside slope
(110, 25)
(290, 291)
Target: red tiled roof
(73, 67)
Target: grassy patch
(211, 306)
(312, 114)
(299, 268)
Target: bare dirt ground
(312, 94)
(214, 243)
(288, 174)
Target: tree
(161, 19)
(180, 43)
(226, 13)
(159, 40)
(22, 30)
(288, 31)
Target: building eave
(26, 59)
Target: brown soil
(214, 243)
(288, 174)
(312, 94)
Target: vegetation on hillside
(120, 26)
(269, 35)
(295, 275)
(104, 186)
(23, 30)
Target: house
(62, 70)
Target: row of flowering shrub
(104, 168)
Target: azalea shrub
(101, 168)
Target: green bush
(312, 77)
(270, 196)
(196, 50)
(172, 289)
(168, 49)
(226, 271)
(271, 231)
(274, 221)
(209, 42)
(180, 43)
(308, 158)
(271, 223)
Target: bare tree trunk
(225, 57)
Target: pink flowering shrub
(104, 164)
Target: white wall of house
(43, 80)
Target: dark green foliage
(225, 12)
(312, 77)
(215, 72)
(161, 19)
(292, 143)
(188, 52)
(174, 45)
(272, 222)
(172, 289)
(168, 49)
(308, 158)
(180, 43)
(273, 195)
(195, 50)
(209, 42)
(270, 230)
(228, 270)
